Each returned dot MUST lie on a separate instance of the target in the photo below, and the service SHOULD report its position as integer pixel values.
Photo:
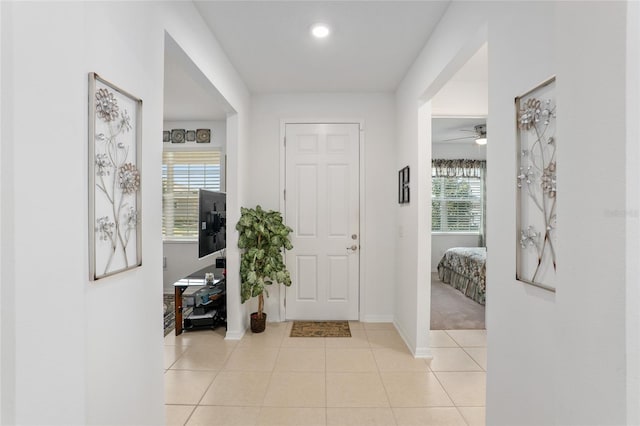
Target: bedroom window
(183, 173)
(457, 196)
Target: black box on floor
(203, 308)
(197, 320)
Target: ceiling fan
(479, 134)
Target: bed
(464, 268)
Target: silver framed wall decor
(115, 201)
(536, 182)
(403, 186)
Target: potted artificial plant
(262, 236)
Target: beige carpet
(452, 310)
(320, 329)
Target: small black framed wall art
(403, 186)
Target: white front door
(322, 207)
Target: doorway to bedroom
(458, 203)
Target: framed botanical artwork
(191, 135)
(536, 182)
(403, 185)
(115, 201)
(166, 136)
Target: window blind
(456, 204)
(183, 173)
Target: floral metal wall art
(115, 236)
(536, 183)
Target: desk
(179, 288)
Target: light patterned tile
(233, 388)
(177, 415)
(356, 326)
(186, 387)
(171, 354)
(283, 416)
(452, 359)
(440, 416)
(303, 342)
(387, 326)
(360, 417)
(350, 360)
(358, 339)
(287, 389)
(268, 339)
(475, 416)
(301, 360)
(479, 355)
(385, 339)
(396, 360)
(207, 357)
(199, 337)
(224, 416)
(415, 390)
(466, 389)
(469, 338)
(355, 390)
(252, 359)
(440, 339)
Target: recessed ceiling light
(481, 141)
(320, 30)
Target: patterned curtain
(458, 168)
(466, 168)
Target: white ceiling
(467, 93)
(462, 103)
(188, 94)
(372, 45)
(444, 129)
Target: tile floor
(369, 379)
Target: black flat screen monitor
(212, 223)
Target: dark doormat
(320, 329)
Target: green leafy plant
(263, 236)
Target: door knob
(353, 247)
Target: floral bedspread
(464, 268)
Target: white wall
(521, 319)
(379, 188)
(466, 98)
(84, 352)
(590, 320)
(633, 213)
(549, 356)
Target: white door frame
(362, 255)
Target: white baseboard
(424, 353)
(234, 335)
(377, 318)
(403, 337)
